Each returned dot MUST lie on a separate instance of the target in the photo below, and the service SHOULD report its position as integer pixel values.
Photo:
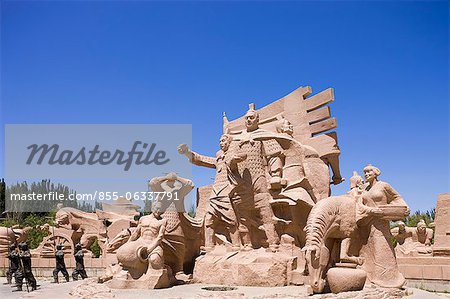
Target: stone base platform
(154, 279)
(428, 268)
(428, 272)
(257, 267)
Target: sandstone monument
(267, 219)
(161, 248)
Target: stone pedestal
(153, 279)
(257, 267)
(441, 245)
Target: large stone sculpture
(156, 252)
(272, 173)
(360, 222)
(10, 235)
(441, 245)
(141, 259)
(72, 226)
(412, 240)
(181, 243)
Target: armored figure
(252, 196)
(14, 263)
(220, 212)
(60, 264)
(25, 270)
(79, 263)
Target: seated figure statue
(412, 240)
(141, 260)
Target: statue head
(156, 208)
(78, 246)
(171, 177)
(421, 226)
(356, 180)
(224, 142)
(284, 126)
(371, 173)
(251, 118)
(62, 217)
(59, 247)
(401, 226)
(12, 247)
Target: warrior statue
(60, 264)
(14, 263)
(252, 196)
(25, 270)
(220, 216)
(79, 263)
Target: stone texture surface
(250, 268)
(346, 279)
(441, 245)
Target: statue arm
(204, 161)
(273, 151)
(188, 185)
(394, 198)
(135, 235)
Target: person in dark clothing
(79, 263)
(25, 270)
(60, 264)
(14, 263)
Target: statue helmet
(60, 246)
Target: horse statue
(333, 232)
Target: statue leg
(83, 274)
(65, 273)
(344, 255)
(234, 236)
(209, 232)
(31, 280)
(263, 203)
(19, 280)
(75, 275)
(9, 273)
(155, 260)
(55, 275)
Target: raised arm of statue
(196, 158)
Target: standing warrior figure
(79, 263)
(263, 155)
(14, 263)
(25, 268)
(60, 264)
(220, 211)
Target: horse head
(317, 258)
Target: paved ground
(48, 290)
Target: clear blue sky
(187, 62)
